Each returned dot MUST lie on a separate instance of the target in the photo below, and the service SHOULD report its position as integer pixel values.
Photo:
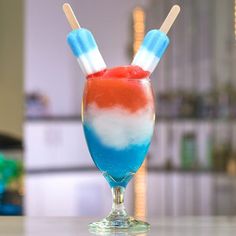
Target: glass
(118, 117)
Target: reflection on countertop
(22, 226)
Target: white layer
(91, 62)
(146, 60)
(118, 128)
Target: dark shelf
(8, 142)
(53, 118)
(153, 169)
(156, 170)
(167, 120)
(193, 120)
(62, 170)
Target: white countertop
(189, 226)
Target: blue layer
(81, 41)
(155, 42)
(117, 165)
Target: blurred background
(191, 165)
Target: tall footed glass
(118, 119)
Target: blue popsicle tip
(156, 42)
(81, 41)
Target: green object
(10, 170)
(189, 151)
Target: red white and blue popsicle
(155, 43)
(83, 45)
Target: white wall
(55, 145)
(71, 194)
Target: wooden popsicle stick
(170, 19)
(70, 16)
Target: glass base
(118, 221)
(118, 225)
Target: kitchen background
(191, 166)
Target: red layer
(107, 89)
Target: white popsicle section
(83, 45)
(84, 48)
(146, 60)
(155, 43)
(91, 62)
(151, 50)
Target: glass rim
(120, 78)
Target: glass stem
(118, 207)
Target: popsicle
(155, 43)
(83, 45)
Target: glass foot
(118, 221)
(119, 225)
